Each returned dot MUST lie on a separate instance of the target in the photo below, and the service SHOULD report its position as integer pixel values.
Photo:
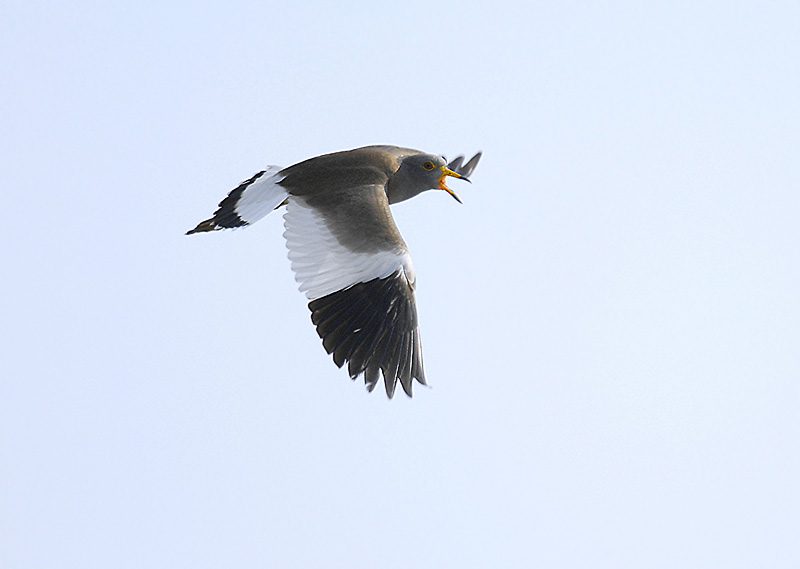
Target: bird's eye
(428, 165)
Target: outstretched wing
(467, 169)
(354, 267)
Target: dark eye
(428, 165)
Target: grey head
(417, 173)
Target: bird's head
(420, 172)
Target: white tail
(247, 203)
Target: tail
(247, 203)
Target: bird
(346, 251)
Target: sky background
(610, 321)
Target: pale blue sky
(610, 322)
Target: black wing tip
(372, 327)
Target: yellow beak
(442, 186)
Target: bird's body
(346, 251)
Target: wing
(355, 269)
(247, 203)
(467, 169)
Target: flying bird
(346, 252)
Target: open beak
(442, 186)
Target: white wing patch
(262, 196)
(322, 265)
